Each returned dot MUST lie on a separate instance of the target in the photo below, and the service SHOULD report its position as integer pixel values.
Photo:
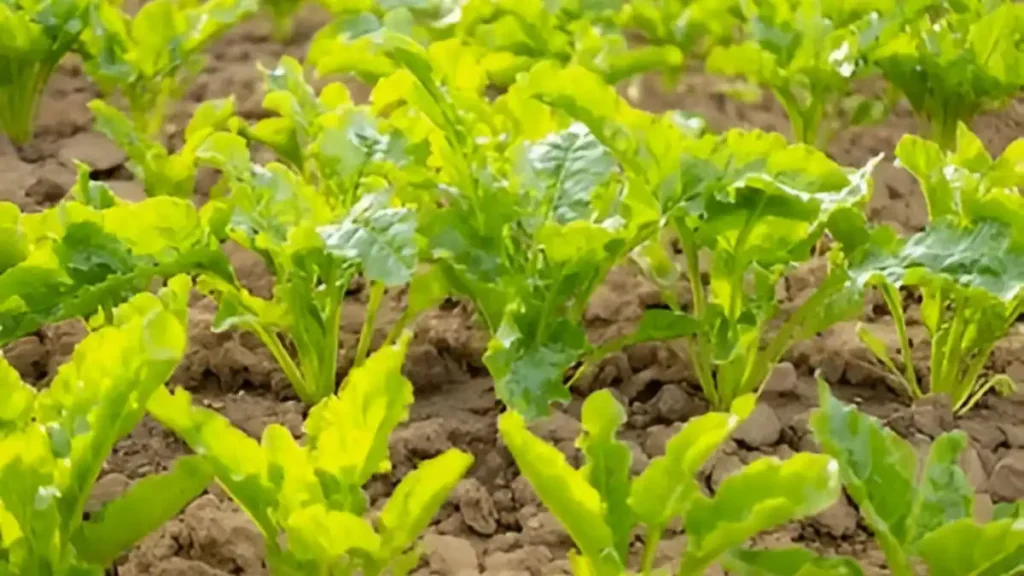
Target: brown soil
(494, 523)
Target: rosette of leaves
(152, 58)
(695, 27)
(53, 444)
(745, 207)
(529, 215)
(967, 266)
(308, 500)
(91, 253)
(601, 504)
(916, 511)
(161, 172)
(808, 54)
(334, 207)
(36, 36)
(953, 66)
(510, 36)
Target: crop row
(495, 162)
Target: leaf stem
(366, 334)
(769, 356)
(895, 304)
(284, 360)
(329, 361)
(651, 540)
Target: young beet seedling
(693, 26)
(308, 500)
(152, 58)
(600, 504)
(529, 216)
(53, 444)
(330, 211)
(36, 36)
(952, 67)
(92, 252)
(751, 204)
(809, 56)
(508, 37)
(926, 515)
(161, 172)
(967, 265)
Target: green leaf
(926, 161)
(237, 461)
(656, 324)
(151, 57)
(320, 534)
(608, 462)
(762, 496)
(953, 66)
(18, 397)
(666, 489)
(348, 433)
(878, 469)
(147, 505)
(529, 375)
(1005, 510)
(565, 168)
(417, 499)
(788, 562)
(379, 236)
(82, 260)
(966, 547)
(944, 495)
(36, 38)
(226, 152)
(563, 490)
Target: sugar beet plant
(307, 500)
(601, 504)
(966, 265)
(746, 204)
(92, 252)
(37, 35)
(161, 172)
(531, 216)
(329, 210)
(916, 512)
(808, 54)
(952, 66)
(151, 58)
(53, 444)
(509, 37)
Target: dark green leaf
(878, 468)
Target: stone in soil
(94, 150)
(672, 404)
(1014, 435)
(543, 529)
(973, 468)
(723, 466)
(450, 555)
(523, 492)
(107, 488)
(657, 437)
(477, 506)
(531, 560)
(783, 379)
(839, 519)
(1007, 481)
(558, 427)
(762, 428)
